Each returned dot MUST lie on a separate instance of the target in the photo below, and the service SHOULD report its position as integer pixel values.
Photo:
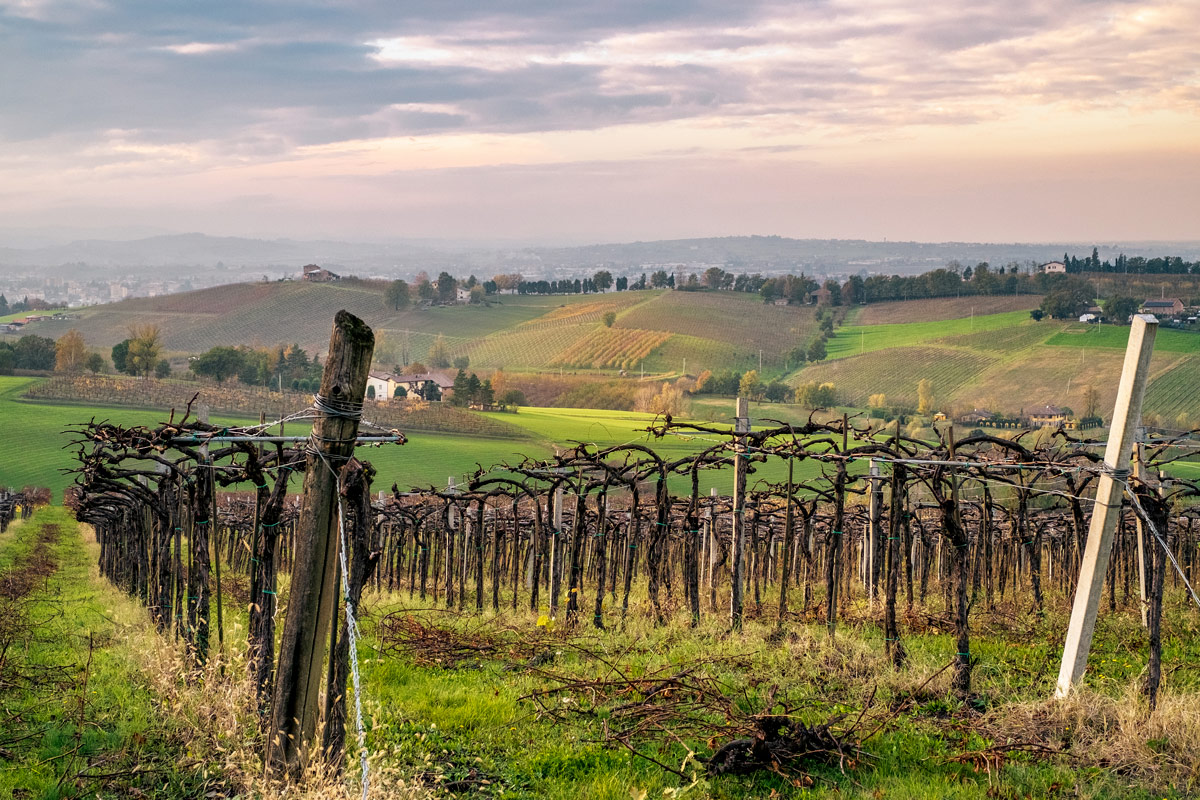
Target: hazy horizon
(592, 123)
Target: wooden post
(741, 427)
(1138, 466)
(314, 565)
(1126, 416)
(871, 551)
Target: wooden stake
(312, 598)
(1126, 417)
(741, 426)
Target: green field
(857, 339)
(1116, 336)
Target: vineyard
(925, 571)
(728, 318)
(896, 373)
(816, 606)
(611, 348)
(942, 308)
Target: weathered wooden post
(875, 511)
(314, 566)
(741, 427)
(1109, 489)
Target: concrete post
(1126, 417)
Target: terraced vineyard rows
(896, 373)
(532, 349)
(592, 310)
(734, 317)
(611, 348)
(698, 354)
(1174, 392)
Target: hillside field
(722, 330)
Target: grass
(85, 709)
(1116, 337)
(449, 723)
(941, 308)
(857, 339)
(434, 724)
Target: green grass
(80, 713)
(450, 722)
(1117, 337)
(857, 339)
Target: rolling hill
(981, 352)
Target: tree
(462, 362)
(609, 318)
(398, 295)
(1037, 314)
(714, 277)
(877, 401)
(816, 349)
(219, 363)
(34, 352)
(749, 386)
(1120, 308)
(924, 396)
(462, 390)
(658, 279)
(776, 392)
(162, 369)
(400, 393)
(3, 305)
(486, 396)
(120, 353)
(1068, 299)
(602, 280)
(816, 395)
(144, 347)
(447, 287)
(70, 352)
(1091, 401)
(478, 295)
(669, 400)
(439, 356)
(94, 363)
(512, 398)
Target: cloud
(137, 87)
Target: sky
(955, 120)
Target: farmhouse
(462, 295)
(1047, 415)
(976, 416)
(314, 274)
(383, 385)
(1167, 307)
(1054, 267)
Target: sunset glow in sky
(982, 120)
